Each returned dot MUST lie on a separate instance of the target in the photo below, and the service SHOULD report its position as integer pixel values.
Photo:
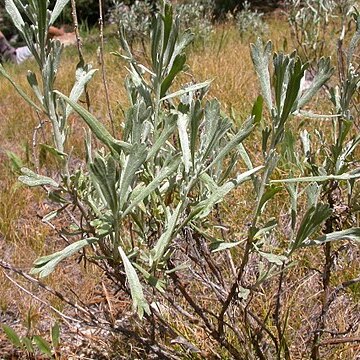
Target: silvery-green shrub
(250, 22)
(135, 19)
(312, 20)
(197, 16)
(143, 202)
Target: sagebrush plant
(197, 16)
(250, 22)
(135, 19)
(312, 21)
(145, 203)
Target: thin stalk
(329, 227)
(278, 310)
(79, 47)
(103, 70)
(315, 350)
(245, 259)
(199, 311)
(158, 79)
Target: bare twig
(223, 235)
(79, 47)
(34, 141)
(103, 70)
(107, 297)
(337, 341)
(278, 307)
(66, 318)
(7, 266)
(93, 321)
(200, 312)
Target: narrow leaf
(11, 335)
(165, 172)
(322, 76)
(137, 295)
(273, 258)
(162, 244)
(177, 66)
(30, 178)
(58, 8)
(28, 344)
(134, 161)
(237, 139)
(186, 90)
(221, 245)
(14, 15)
(42, 344)
(349, 234)
(55, 335)
(342, 177)
(204, 207)
(45, 265)
(257, 109)
(97, 127)
(260, 57)
(182, 123)
(313, 218)
(18, 89)
(83, 76)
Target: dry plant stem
(249, 241)
(337, 341)
(62, 315)
(34, 141)
(107, 297)
(330, 224)
(200, 312)
(53, 227)
(234, 287)
(7, 266)
(206, 254)
(278, 309)
(94, 322)
(103, 70)
(315, 354)
(79, 47)
(264, 328)
(223, 235)
(180, 310)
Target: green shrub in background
(135, 19)
(197, 16)
(250, 22)
(312, 21)
(143, 202)
(87, 11)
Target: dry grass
(23, 237)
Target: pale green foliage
(250, 22)
(171, 146)
(310, 21)
(197, 16)
(47, 54)
(135, 19)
